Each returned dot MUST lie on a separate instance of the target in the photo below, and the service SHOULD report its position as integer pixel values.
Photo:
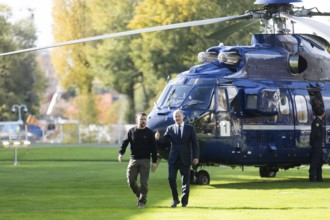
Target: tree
(111, 58)
(21, 78)
(71, 63)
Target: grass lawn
(88, 183)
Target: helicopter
(253, 105)
(250, 105)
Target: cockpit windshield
(200, 97)
(177, 95)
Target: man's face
(178, 117)
(141, 121)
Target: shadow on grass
(297, 183)
(242, 208)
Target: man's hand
(120, 157)
(195, 161)
(157, 135)
(153, 167)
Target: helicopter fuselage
(253, 105)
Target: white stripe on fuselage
(277, 127)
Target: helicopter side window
(222, 101)
(284, 105)
(252, 101)
(301, 104)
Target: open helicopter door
(228, 127)
(303, 117)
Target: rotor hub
(272, 2)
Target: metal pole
(26, 133)
(15, 156)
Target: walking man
(183, 153)
(143, 144)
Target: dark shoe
(319, 180)
(175, 203)
(141, 205)
(184, 205)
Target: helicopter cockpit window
(301, 104)
(162, 96)
(176, 95)
(251, 101)
(284, 105)
(200, 97)
(200, 81)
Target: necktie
(179, 131)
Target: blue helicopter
(253, 105)
(250, 105)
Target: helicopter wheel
(203, 177)
(268, 171)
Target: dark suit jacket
(186, 147)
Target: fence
(66, 133)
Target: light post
(19, 108)
(17, 142)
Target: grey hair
(178, 110)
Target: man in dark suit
(317, 142)
(183, 153)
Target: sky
(42, 14)
(43, 19)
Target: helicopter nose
(159, 122)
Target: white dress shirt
(177, 128)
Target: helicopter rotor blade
(222, 33)
(134, 32)
(317, 27)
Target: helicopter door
(223, 123)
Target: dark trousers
(315, 168)
(185, 181)
(136, 167)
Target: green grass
(88, 183)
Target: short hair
(319, 111)
(178, 110)
(141, 114)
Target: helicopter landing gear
(268, 171)
(201, 177)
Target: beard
(142, 125)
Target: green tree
(111, 58)
(21, 78)
(71, 63)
